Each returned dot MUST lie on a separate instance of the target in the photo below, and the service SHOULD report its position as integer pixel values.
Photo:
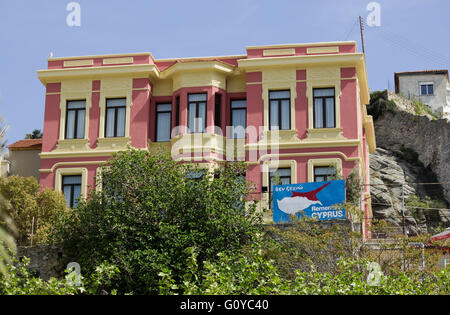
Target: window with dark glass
(197, 113)
(177, 112)
(163, 122)
(324, 173)
(218, 110)
(115, 117)
(426, 89)
(324, 108)
(279, 112)
(238, 118)
(75, 119)
(195, 174)
(284, 176)
(71, 187)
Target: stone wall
(44, 259)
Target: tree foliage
(150, 210)
(35, 134)
(379, 104)
(25, 202)
(7, 242)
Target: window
(163, 122)
(324, 108)
(197, 113)
(218, 110)
(324, 173)
(115, 117)
(177, 112)
(75, 119)
(71, 187)
(285, 177)
(238, 118)
(426, 89)
(280, 113)
(195, 175)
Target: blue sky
(413, 36)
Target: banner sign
(316, 200)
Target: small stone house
(431, 87)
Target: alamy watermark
(73, 277)
(374, 17)
(74, 17)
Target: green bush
(379, 104)
(20, 281)
(248, 273)
(149, 212)
(25, 202)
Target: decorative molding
(117, 144)
(279, 52)
(324, 134)
(322, 50)
(280, 136)
(116, 61)
(72, 145)
(78, 63)
(58, 164)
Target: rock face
(411, 149)
(389, 170)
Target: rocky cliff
(412, 149)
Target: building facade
(298, 110)
(23, 158)
(431, 87)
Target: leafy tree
(35, 134)
(149, 211)
(3, 129)
(7, 243)
(26, 202)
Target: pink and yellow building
(296, 109)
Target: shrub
(26, 202)
(149, 212)
(379, 104)
(20, 281)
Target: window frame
(324, 107)
(177, 111)
(279, 100)
(197, 105)
(427, 87)
(157, 113)
(116, 109)
(273, 170)
(232, 110)
(76, 110)
(72, 186)
(218, 110)
(326, 177)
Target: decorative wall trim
(279, 52)
(322, 50)
(116, 61)
(78, 63)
